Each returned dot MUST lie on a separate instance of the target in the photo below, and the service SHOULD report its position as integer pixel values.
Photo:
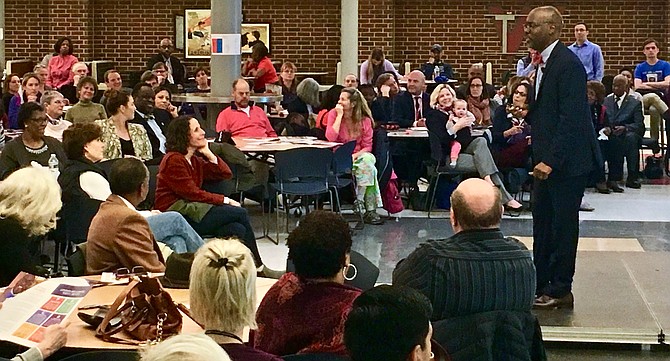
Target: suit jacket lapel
(547, 67)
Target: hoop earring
(346, 269)
(432, 355)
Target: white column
(349, 38)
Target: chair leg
(436, 179)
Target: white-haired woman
(307, 101)
(29, 201)
(223, 296)
(185, 348)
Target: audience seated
(53, 103)
(53, 339)
(164, 110)
(479, 102)
(60, 65)
(351, 81)
(510, 134)
(32, 145)
(410, 106)
(86, 111)
(175, 70)
(352, 120)
(652, 78)
(144, 98)
(29, 92)
(202, 85)
(596, 95)
(113, 81)
(260, 67)
(307, 101)
(185, 347)
(43, 73)
(456, 275)
(476, 157)
(435, 61)
(328, 102)
(149, 78)
(179, 188)
(120, 236)
(289, 86)
(222, 294)
(243, 118)
(475, 70)
(29, 202)
(628, 73)
(389, 323)
(376, 64)
(304, 312)
(383, 106)
(10, 88)
(624, 132)
(526, 65)
(70, 90)
(85, 186)
(122, 138)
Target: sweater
(85, 112)
(15, 155)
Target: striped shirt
(472, 271)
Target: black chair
(437, 155)
(301, 172)
(342, 176)
(110, 355)
(76, 262)
(366, 274)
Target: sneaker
(371, 217)
(453, 164)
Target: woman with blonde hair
(29, 201)
(352, 120)
(223, 296)
(185, 347)
(376, 64)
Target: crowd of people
(93, 164)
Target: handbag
(653, 168)
(147, 312)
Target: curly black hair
(319, 245)
(178, 134)
(60, 42)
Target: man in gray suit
(625, 131)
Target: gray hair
(308, 91)
(185, 347)
(50, 96)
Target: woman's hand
(32, 98)
(231, 202)
(207, 153)
(173, 110)
(386, 90)
(54, 338)
(513, 131)
(339, 110)
(460, 123)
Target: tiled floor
(630, 223)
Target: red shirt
(269, 77)
(237, 122)
(177, 179)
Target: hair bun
(222, 262)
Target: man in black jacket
(144, 115)
(175, 68)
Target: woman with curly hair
(261, 68)
(60, 65)
(29, 201)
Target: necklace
(39, 150)
(224, 333)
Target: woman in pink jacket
(60, 66)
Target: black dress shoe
(601, 187)
(633, 183)
(550, 303)
(614, 186)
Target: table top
(430, 81)
(416, 132)
(81, 335)
(271, 145)
(311, 73)
(209, 99)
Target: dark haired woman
(29, 92)
(122, 138)
(304, 312)
(479, 102)
(510, 133)
(10, 88)
(189, 162)
(60, 66)
(261, 68)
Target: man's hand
(421, 122)
(431, 60)
(386, 90)
(619, 129)
(607, 131)
(541, 171)
(55, 337)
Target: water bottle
(53, 165)
(436, 72)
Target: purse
(147, 312)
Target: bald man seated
(477, 269)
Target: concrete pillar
(226, 19)
(349, 38)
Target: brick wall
(307, 31)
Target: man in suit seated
(175, 70)
(411, 105)
(120, 236)
(144, 115)
(625, 132)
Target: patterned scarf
(481, 111)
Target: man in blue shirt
(652, 78)
(588, 53)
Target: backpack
(653, 168)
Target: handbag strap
(114, 311)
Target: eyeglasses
(532, 25)
(476, 85)
(126, 273)
(39, 120)
(166, 47)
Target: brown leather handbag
(147, 313)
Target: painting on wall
(198, 34)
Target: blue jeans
(172, 229)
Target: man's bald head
(476, 204)
(416, 82)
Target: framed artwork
(197, 32)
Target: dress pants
(619, 146)
(556, 204)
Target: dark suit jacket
(403, 108)
(121, 237)
(177, 68)
(382, 109)
(562, 131)
(155, 143)
(629, 114)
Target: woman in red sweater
(261, 68)
(189, 162)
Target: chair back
(366, 272)
(108, 355)
(76, 263)
(315, 357)
(342, 161)
(296, 164)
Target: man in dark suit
(175, 69)
(144, 115)
(411, 106)
(625, 132)
(563, 151)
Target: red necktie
(417, 108)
